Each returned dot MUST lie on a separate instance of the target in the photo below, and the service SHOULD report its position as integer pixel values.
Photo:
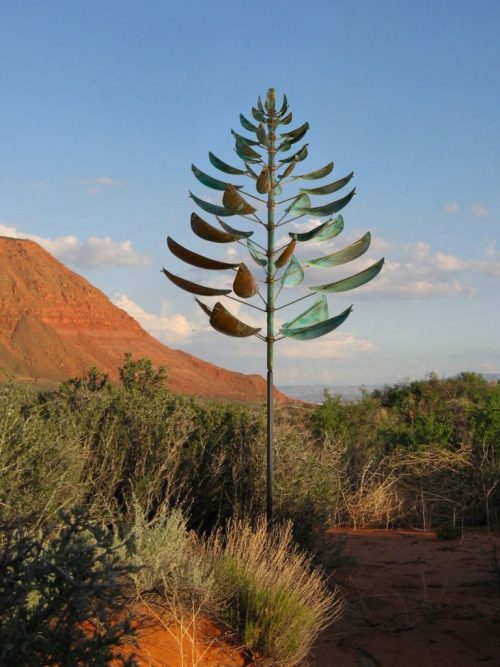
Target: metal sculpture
(269, 172)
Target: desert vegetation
(165, 494)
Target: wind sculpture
(269, 169)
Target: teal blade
(286, 119)
(231, 230)
(250, 172)
(328, 230)
(332, 207)
(293, 275)
(298, 204)
(245, 152)
(295, 135)
(316, 330)
(209, 181)
(316, 313)
(246, 124)
(223, 166)
(244, 140)
(328, 189)
(300, 155)
(258, 115)
(343, 256)
(319, 173)
(211, 208)
(194, 288)
(255, 254)
(353, 281)
(284, 106)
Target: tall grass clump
(274, 598)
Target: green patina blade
(328, 230)
(295, 135)
(244, 140)
(298, 204)
(246, 124)
(332, 207)
(245, 152)
(328, 189)
(258, 115)
(319, 173)
(300, 155)
(284, 147)
(284, 106)
(225, 322)
(223, 166)
(260, 105)
(209, 233)
(237, 233)
(316, 330)
(293, 275)
(256, 254)
(353, 281)
(316, 313)
(212, 208)
(343, 256)
(209, 181)
(286, 119)
(194, 259)
(194, 288)
(250, 172)
(261, 135)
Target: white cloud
(95, 185)
(343, 345)
(451, 207)
(167, 329)
(479, 210)
(89, 253)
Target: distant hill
(55, 325)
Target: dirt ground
(416, 601)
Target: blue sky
(105, 105)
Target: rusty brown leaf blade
(194, 288)
(196, 260)
(209, 233)
(285, 255)
(225, 322)
(263, 184)
(233, 201)
(288, 170)
(245, 285)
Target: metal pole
(271, 126)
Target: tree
(280, 264)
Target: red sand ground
(413, 601)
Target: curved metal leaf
(258, 115)
(250, 172)
(259, 104)
(288, 170)
(318, 312)
(246, 124)
(328, 189)
(354, 281)
(294, 274)
(296, 135)
(285, 255)
(204, 307)
(246, 153)
(286, 119)
(244, 284)
(223, 166)
(209, 181)
(298, 204)
(332, 207)
(263, 184)
(236, 233)
(209, 233)
(328, 230)
(256, 254)
(196, 260)
(284, 106)
(318, 173)
(244, 140)
(347, 254)
(261, 135)
(233, 201)
(194, 288)
(277, 188)
(225, 322)
(284, 147)
(316, 330)
(212, 208)
(300, 155)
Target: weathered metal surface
(244, 284)
(261, 135)
(316, 313)
(332, 207)
(256, 254)
(353, 281)
(331, 187)
(246, 124)
(344, 255)
(212, 208)
(244, 140)
(298, 204)
(288, 170)
(284, 147)
(285, 255)
(209, 181)
(194, 288)
(263, 184)
(233, 201)
(328, 230)
(286, 119)
(318, 173)
(260, 105)
(270, 102)
(237, 233)
(300, 155)
(251, 172)
(194, 259)
(295, 135)
(225, 322)
(293, 275)
(223, 166)
(316, 330)
(246, 153)
(284, 106)
(277, 188)
(204, 307)
(258, 115)
(209, 233)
